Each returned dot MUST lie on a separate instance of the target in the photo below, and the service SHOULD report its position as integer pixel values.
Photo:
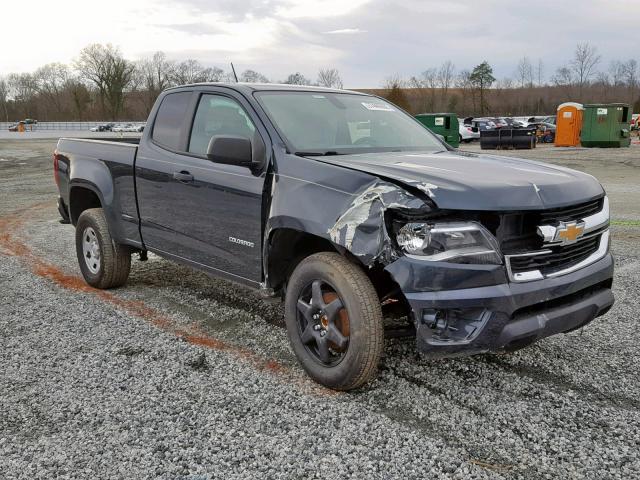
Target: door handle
(183, 176)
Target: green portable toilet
(445, 124)
(606, 125)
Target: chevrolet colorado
(345, 207)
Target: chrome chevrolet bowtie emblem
(565, 233)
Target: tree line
(101, 84)
(582, 78)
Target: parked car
(467, 134)
(481, 124)
(635, 124)
(514, 123)
(251, 183)
(14, 127)
(105, 127)
(122, 127)
(499, 122)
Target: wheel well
(287, 248)
(81, 199)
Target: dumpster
(606, 125)
(508, 138)
(445, 124)
(569, 124)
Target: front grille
(518, 232)
(558, 258)
(574, 212)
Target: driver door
(222, 222)
(213, 210)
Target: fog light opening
(454, 325)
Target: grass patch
(626, 223)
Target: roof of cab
(253, 87)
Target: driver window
(217, 115)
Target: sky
(366, 40)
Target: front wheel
(103, 262)
(334, 321)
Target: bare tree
(563, 77)
(23, 89)
(394, 86)
(446, 76)
(192, 71)
(583, 65)
(616, 72)
(524, 73)
(540, 72)
(188, 71)
(251, 76)
(80, 95)
(427, 83)
(420, 92)
(463, 82)
(51, 82)
(215, 74)
(630, 73)
(109, 71)
(4, 98)
(154, 74)
(602, 79)
(329, 77)
(297, 79)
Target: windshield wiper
(317, 154)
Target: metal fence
(79, 126)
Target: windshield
(339, 123)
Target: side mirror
(230, 149)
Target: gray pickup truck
(350, 211)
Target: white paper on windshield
(382, 107)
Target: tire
(460, 138)
(110, 267)
(356, 363)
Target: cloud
(196, 28)
(346, 31)
(366, 40)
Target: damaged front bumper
(469, 309)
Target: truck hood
(459, 180)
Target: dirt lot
(178, 375)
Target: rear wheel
(334, 321)
(104, 263)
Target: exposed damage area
(361, 228)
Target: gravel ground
(178, 375)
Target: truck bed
(110, 164)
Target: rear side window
(170, 119)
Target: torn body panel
(361, 229)
(343, 206)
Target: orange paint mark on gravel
(11, 245)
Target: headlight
(454, 242)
